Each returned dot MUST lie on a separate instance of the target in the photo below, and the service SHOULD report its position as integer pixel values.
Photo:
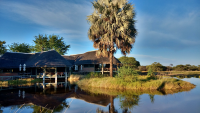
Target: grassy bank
(142, 83)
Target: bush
(150, 73)
(127, 73)
(142, 68)
(94, 75)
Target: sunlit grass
(75, 77)
(142, 83)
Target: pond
(68, 98)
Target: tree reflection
(61, 106)
(111, 107)
(151, 98)
(40, 109)
(128, 102)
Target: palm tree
(112, 26)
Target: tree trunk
(111, 57)
(111, 64)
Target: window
(76, 67)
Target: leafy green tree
(41, 43)
(2, 47)
(150, 72)
(112, 27)
(23, 47)
(142, 68)
(128, 74)
(129, 61)
(187, 67)
(178, 67)
(57, 43)
(199, 67)
(193, 68)
(45, 43)
(181, 67)
(156, 66)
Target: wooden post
(65, 85)
(44, 75)
(65, 73)
(43, 88)
(102, 68)
(56, 75)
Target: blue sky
(168, 30)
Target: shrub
(150, 72)
(127, 73)
(94, 75)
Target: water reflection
(48, 97)
(67, 97)
(151, 98)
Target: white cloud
(62, 16)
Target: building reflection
(50, 96)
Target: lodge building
(51, 64)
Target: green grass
(142, 83)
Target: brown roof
(13, 59)
(47, 59)
(43, 59)
(90, 58)
(51, 59)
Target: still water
(68, 98)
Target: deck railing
(105, 69)
(51, 74)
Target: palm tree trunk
(111, 64)
(111, 57)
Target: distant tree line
(156, 66)
(42, 43)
